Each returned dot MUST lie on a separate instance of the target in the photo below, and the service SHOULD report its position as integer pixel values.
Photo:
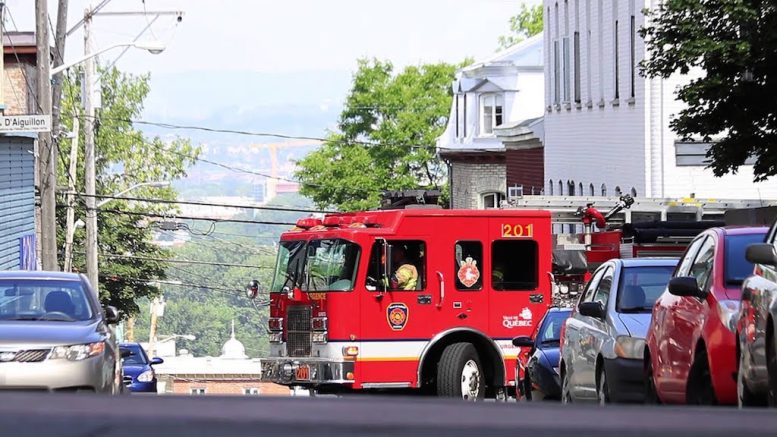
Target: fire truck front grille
(298, 342)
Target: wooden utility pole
(59, 59)
(152, 327)
(89, 156)
(47, 154)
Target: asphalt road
(28, 414)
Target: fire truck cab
(424, 299)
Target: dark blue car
(540, 375)
(139, 376)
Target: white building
(606, 127)
(503, 90)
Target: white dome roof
(233, 349)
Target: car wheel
(699, 390)
(745, 398)
(566, 395)
(651, 394)
(602, 389)
(459, 373)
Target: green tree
(734, 43)
(124, 157)
(385, 139)
(527, 23)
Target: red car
(690, 351)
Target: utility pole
(71, 213)
(89, 156)
(157, 309)
(59, 59)
(47, 153)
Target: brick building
(19, 75)
(606, 128)
(492, 98)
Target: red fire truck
(339, 320)
(342, 320)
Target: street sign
(25, 123)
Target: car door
(761, 292)
(575, 332)
(689, 316)
(664, 324)
(594, 334)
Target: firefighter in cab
(405, 277)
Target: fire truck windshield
(317, 265)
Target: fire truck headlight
(318, 337)
(276, 337)
(287, 369)
(350, 352)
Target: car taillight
(275, 323)
(319, 323)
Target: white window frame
(515, 192)
(498, 198)
(498, 102)
(251, 391)
(198, 391)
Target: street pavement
(30, 414)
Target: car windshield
(640, 287)
(550, 332)
(737, 268)
(137, 357)
(35, 299)
(317, 265)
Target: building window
(633, 54)
(571, 188)
(580, 189)
(251, 391)
(565, 66)
(577, 67)
(560, 188)
(600, 73)
(633, 192)
(198, 391)
(491, 110)
(617, 62)
(492, 200)
(618, 191)
(458, 115)
(550, 187)
(556, 75)
(604, 190)
(515, 265)
(591, 189)
(461, 116)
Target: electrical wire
(182, 261)
(174, 216)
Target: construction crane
(272, 180)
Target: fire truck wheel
(459, 373)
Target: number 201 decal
(517, 231)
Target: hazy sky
(219, 38)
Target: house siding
(526, 168)
(17, 199)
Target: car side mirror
(157, 360)
(523, 342)
(684, 286)
(591, 309)
(124, 352)
(111, 315)
(762, 253)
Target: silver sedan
(54, 336)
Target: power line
(199, 203)
(181, 217)
(184, 261)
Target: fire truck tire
(460, 374)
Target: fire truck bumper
(306, 371)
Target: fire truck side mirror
(252, 289)
(384, 269)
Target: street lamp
(155, 184)
(152, 47)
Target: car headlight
(78, 352)
(146, 376)
(630, 347)
(728, 311)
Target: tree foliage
(124, 157)
(385, 138)
(527, 23)
(734, 43)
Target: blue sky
(233, 58)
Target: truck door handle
(442, 289)
(536, 298)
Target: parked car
(540, 377)
(139, 375)
(757, 351)
(604, 337)
(690, 356)
(55, 336)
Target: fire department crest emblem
(468, 272)
(397, 316)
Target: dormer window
(491, 112)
